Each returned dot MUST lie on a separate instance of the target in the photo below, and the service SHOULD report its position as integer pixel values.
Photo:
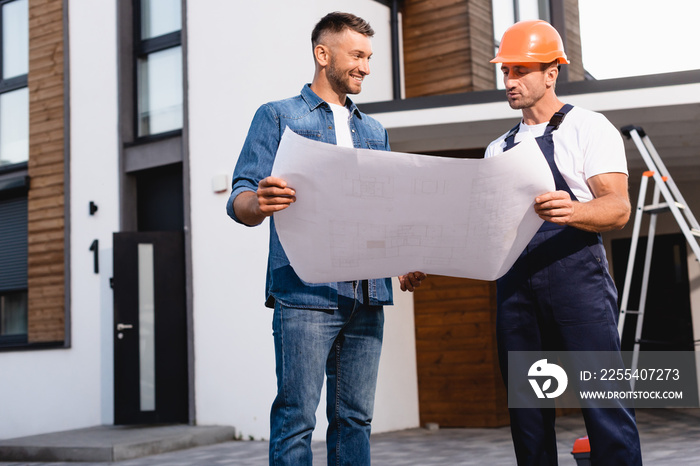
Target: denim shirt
(309, 116)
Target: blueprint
(362, 213)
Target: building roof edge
(563, 89)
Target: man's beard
(525, 101)
(518, 105)
(338, 81)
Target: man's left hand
(556, 207)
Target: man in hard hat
(559, 295)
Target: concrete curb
(111, 443)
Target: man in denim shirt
(334, 328)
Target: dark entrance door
(150, 328)
(668, 323)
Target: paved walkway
(669, 437)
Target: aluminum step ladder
(674, 203)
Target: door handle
(121, 327)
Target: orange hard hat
(533, 41)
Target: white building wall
(53, 390)
(241, 55)
(94, 162)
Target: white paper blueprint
(363, 213)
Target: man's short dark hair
(336, 22)
(544, 66)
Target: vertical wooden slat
(46, 220)
(573, 40)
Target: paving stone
(669, 437)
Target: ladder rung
(630, 312)
(695, 232)
(661, 207)
(658, 342)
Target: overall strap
(557, 119)
(553, 125)
(510, 137)
(546, 143)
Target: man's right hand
(273, 195)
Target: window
(159, 67)
(13, 315)
(14, 154)
(14, 97)
(508, 12)
(13, 270)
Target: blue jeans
(345, 344)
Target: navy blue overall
(559, 296)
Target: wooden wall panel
(481, 48)
(573, 40)
(46, 223)
(459, 382)
(447, 46)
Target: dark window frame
(12, 341)
(544, 9)
(143, 48)
(14, 167)
(14, 83)
(395, 6)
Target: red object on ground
(581, 445)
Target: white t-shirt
(586, 144)
(341, 115)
